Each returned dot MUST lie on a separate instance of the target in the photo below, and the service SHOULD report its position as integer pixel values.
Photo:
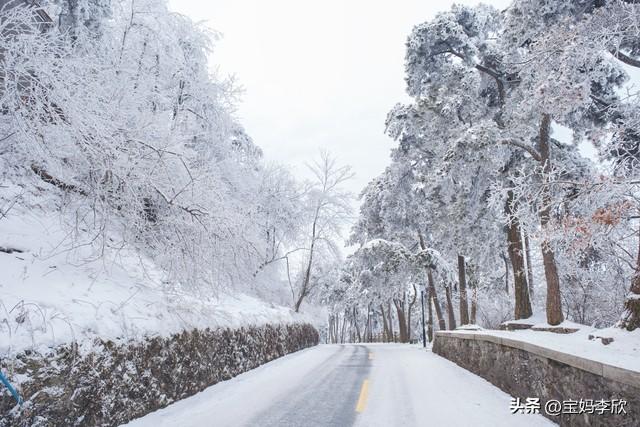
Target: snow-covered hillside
(51, 293)
(132, 201)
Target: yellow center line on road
(364, 393)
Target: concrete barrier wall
(527, 370)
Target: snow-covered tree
(479, 172)
(572, 59)
(113, 107)
(328, 208)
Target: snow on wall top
(623, 352)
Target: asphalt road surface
(327, 397)
(348, 385)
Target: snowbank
(539, 321)
(623, 352)
(52, 295)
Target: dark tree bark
(432, 288)
(434, 296)
(529, 268)
(342, 329)
(409, 310)
(365, 331)
(304, 289)
(522, 309)
(402, 318)
(369, 322)
(624, 57)
(49, 179)
(366, 335)
(450, 312)
(506, 273)
(464, 309)
(474, 302)
(332, 329)
(385, 325)
(631, 316)
(430, 317)
(390, 314)
(554, 301)
(355, 323)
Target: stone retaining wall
(116, 383)
(526, 370)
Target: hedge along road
(345, 385)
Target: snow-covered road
(345, 385)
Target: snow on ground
(410, 386)
(236, 401)
(623, 352)
(50, 295)
(407, 386)
(537, 317)
(470, 327)
(539, 320)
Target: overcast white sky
(317, 75)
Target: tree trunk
(304, 289)
(554, 302)
(514, 238)
(365, 332)
(402, 320)
(464, 309)
(307, 277)
(433, 295)
(369, 323)
(474, 302)
(631, 316)
(385, 325)
(432, 289)
(506, 273)
(430, 316)
(473, 284)
(331, 339)
(450, 312)
(344, 327)
(411, 304)
(529, 268)
(355, 322)
(390, 314)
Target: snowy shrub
(113, 383)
